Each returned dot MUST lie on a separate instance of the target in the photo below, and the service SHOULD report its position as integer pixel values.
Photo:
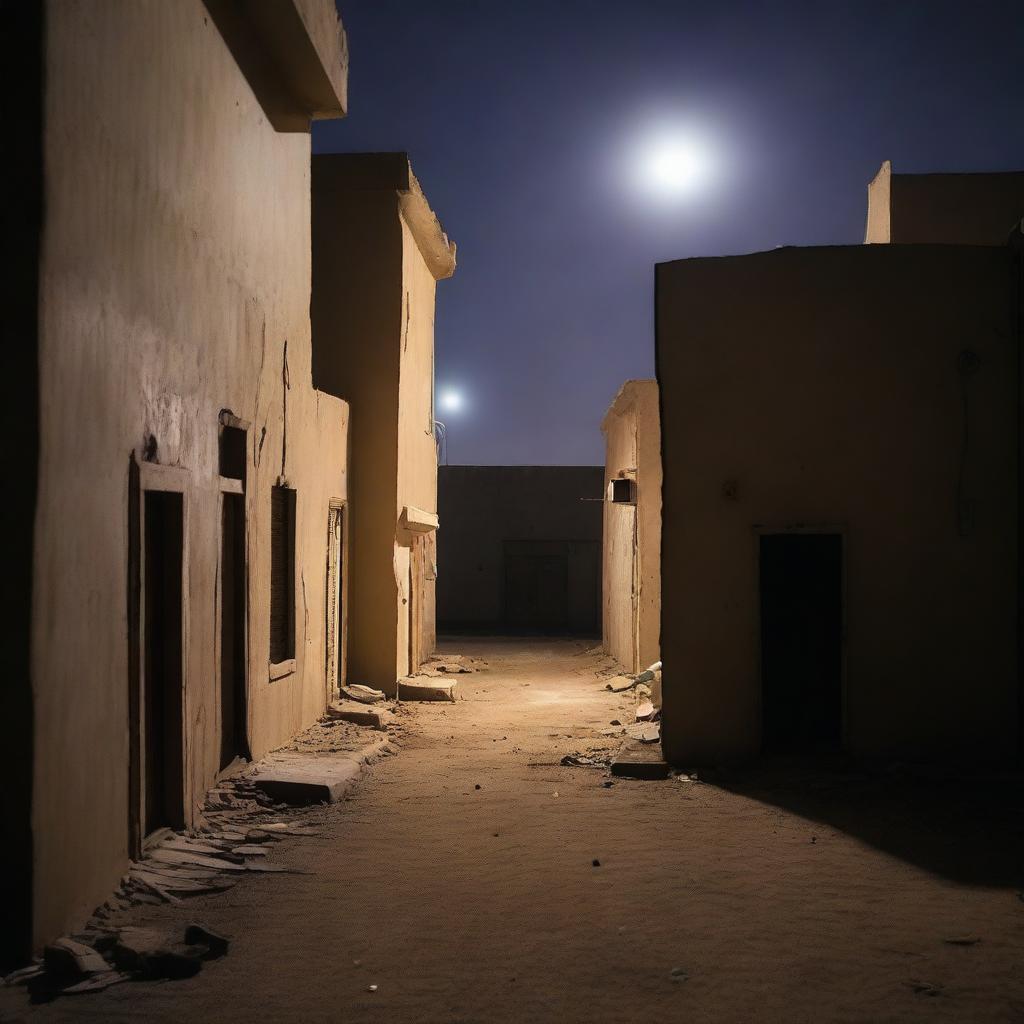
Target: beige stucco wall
(373, 317)
(946, 209)
(175, 284)
(821, 387)
(631, 606)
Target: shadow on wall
(970, 831)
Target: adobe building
(519, 549)
(378, 253)
(841, 517)
(943, 209)
(631, 559)
(184, 472)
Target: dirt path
(756, 898)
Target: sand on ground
(774, 894)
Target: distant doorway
(335, 632)
(234, 740)
(537, 585)
(162, 649)
(801, 577)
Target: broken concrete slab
(638, 760)
(420, 691)
(645, 732)
(362, 694)
(644, 711)
(297, 778)
(66, 959)
(361, 714)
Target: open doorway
(234, 740)
(162, 649)
(801, 577)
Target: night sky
(532, 125)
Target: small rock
(678, 974)
(215, 943)
(371, 988)
(963, 940)
(595, 863)
(477, 786)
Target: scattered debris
(645, 732)
(678, 974)
(591, 760)
(645, 711)
(450, 664)
(620, 687)
(371, 988)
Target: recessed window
(624, 491)
(282, 574)
(232, 452)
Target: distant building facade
(841, 523)
(944, 209)
(378, 253)
(519, 549)
(631, 560)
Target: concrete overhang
(293, 54)
(417, 520)
(391, 172)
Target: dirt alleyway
(708, 902)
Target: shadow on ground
(969, 830)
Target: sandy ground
(775, 895)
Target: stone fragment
(637, 760)
(420, 691)
(215, 943)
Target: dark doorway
(801, 641)
(233, 727)
(163, 774)
(537, 585)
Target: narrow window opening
(232, 452)
(282, 574)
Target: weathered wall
(357, 321)
(950, 209)
(482, 507)
(373, 322)
(417, 447)
(631, 604)
(175, 284)
(821, 387)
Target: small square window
(624, 491)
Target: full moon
(450, 400)
(672, 165)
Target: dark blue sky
(526, 121)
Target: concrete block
(426, 691)
(636, 760)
